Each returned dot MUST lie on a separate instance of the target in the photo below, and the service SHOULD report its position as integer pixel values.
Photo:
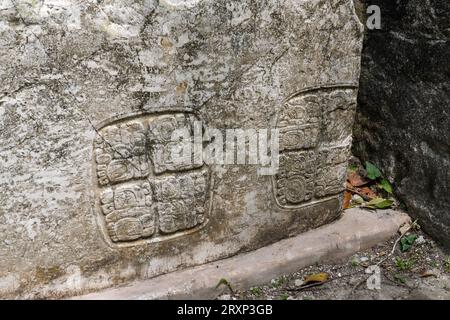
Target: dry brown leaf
(347, 198)
(369, 193)
(316, 278)
(356, 180)
(427, 274)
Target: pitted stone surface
(90, 92)
(403, 119)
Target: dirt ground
(423, 272)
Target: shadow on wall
(403, 117)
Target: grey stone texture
(90, 94)
(403, 117)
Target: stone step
(357, 230)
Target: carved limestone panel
(315, 129)
(143, 192)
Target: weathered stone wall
(90, 91)
(403, 117)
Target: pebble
(420, 240)
(363, 259)
(298, 282)
(353, 281)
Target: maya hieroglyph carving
(145, 194)
(315, 130)
(142, 192)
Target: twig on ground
(396, 243)
(398, 283)
(356, 286)
(384, 259)
(362, 195)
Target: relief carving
(295, 178)
(315, 129)
(120, 153)
(142, 193)
(181, 201)
(162, 145)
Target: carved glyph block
(181, 201)
(144, 194)
(120, 153)
(315, 134)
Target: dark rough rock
(403, 122)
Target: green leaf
(379, 203)
(386, 186)
(372, 171)
(406, 242)
(224, 282)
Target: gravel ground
(423, 272)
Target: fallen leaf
(357, 199)
(356, 180)
(372, 171)
(386, 185)
(427, 274)
(366, 191)
(224, 282)
(318, 278)
(378, 203)
(406, 242)
(347, 198)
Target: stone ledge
(357, 230)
